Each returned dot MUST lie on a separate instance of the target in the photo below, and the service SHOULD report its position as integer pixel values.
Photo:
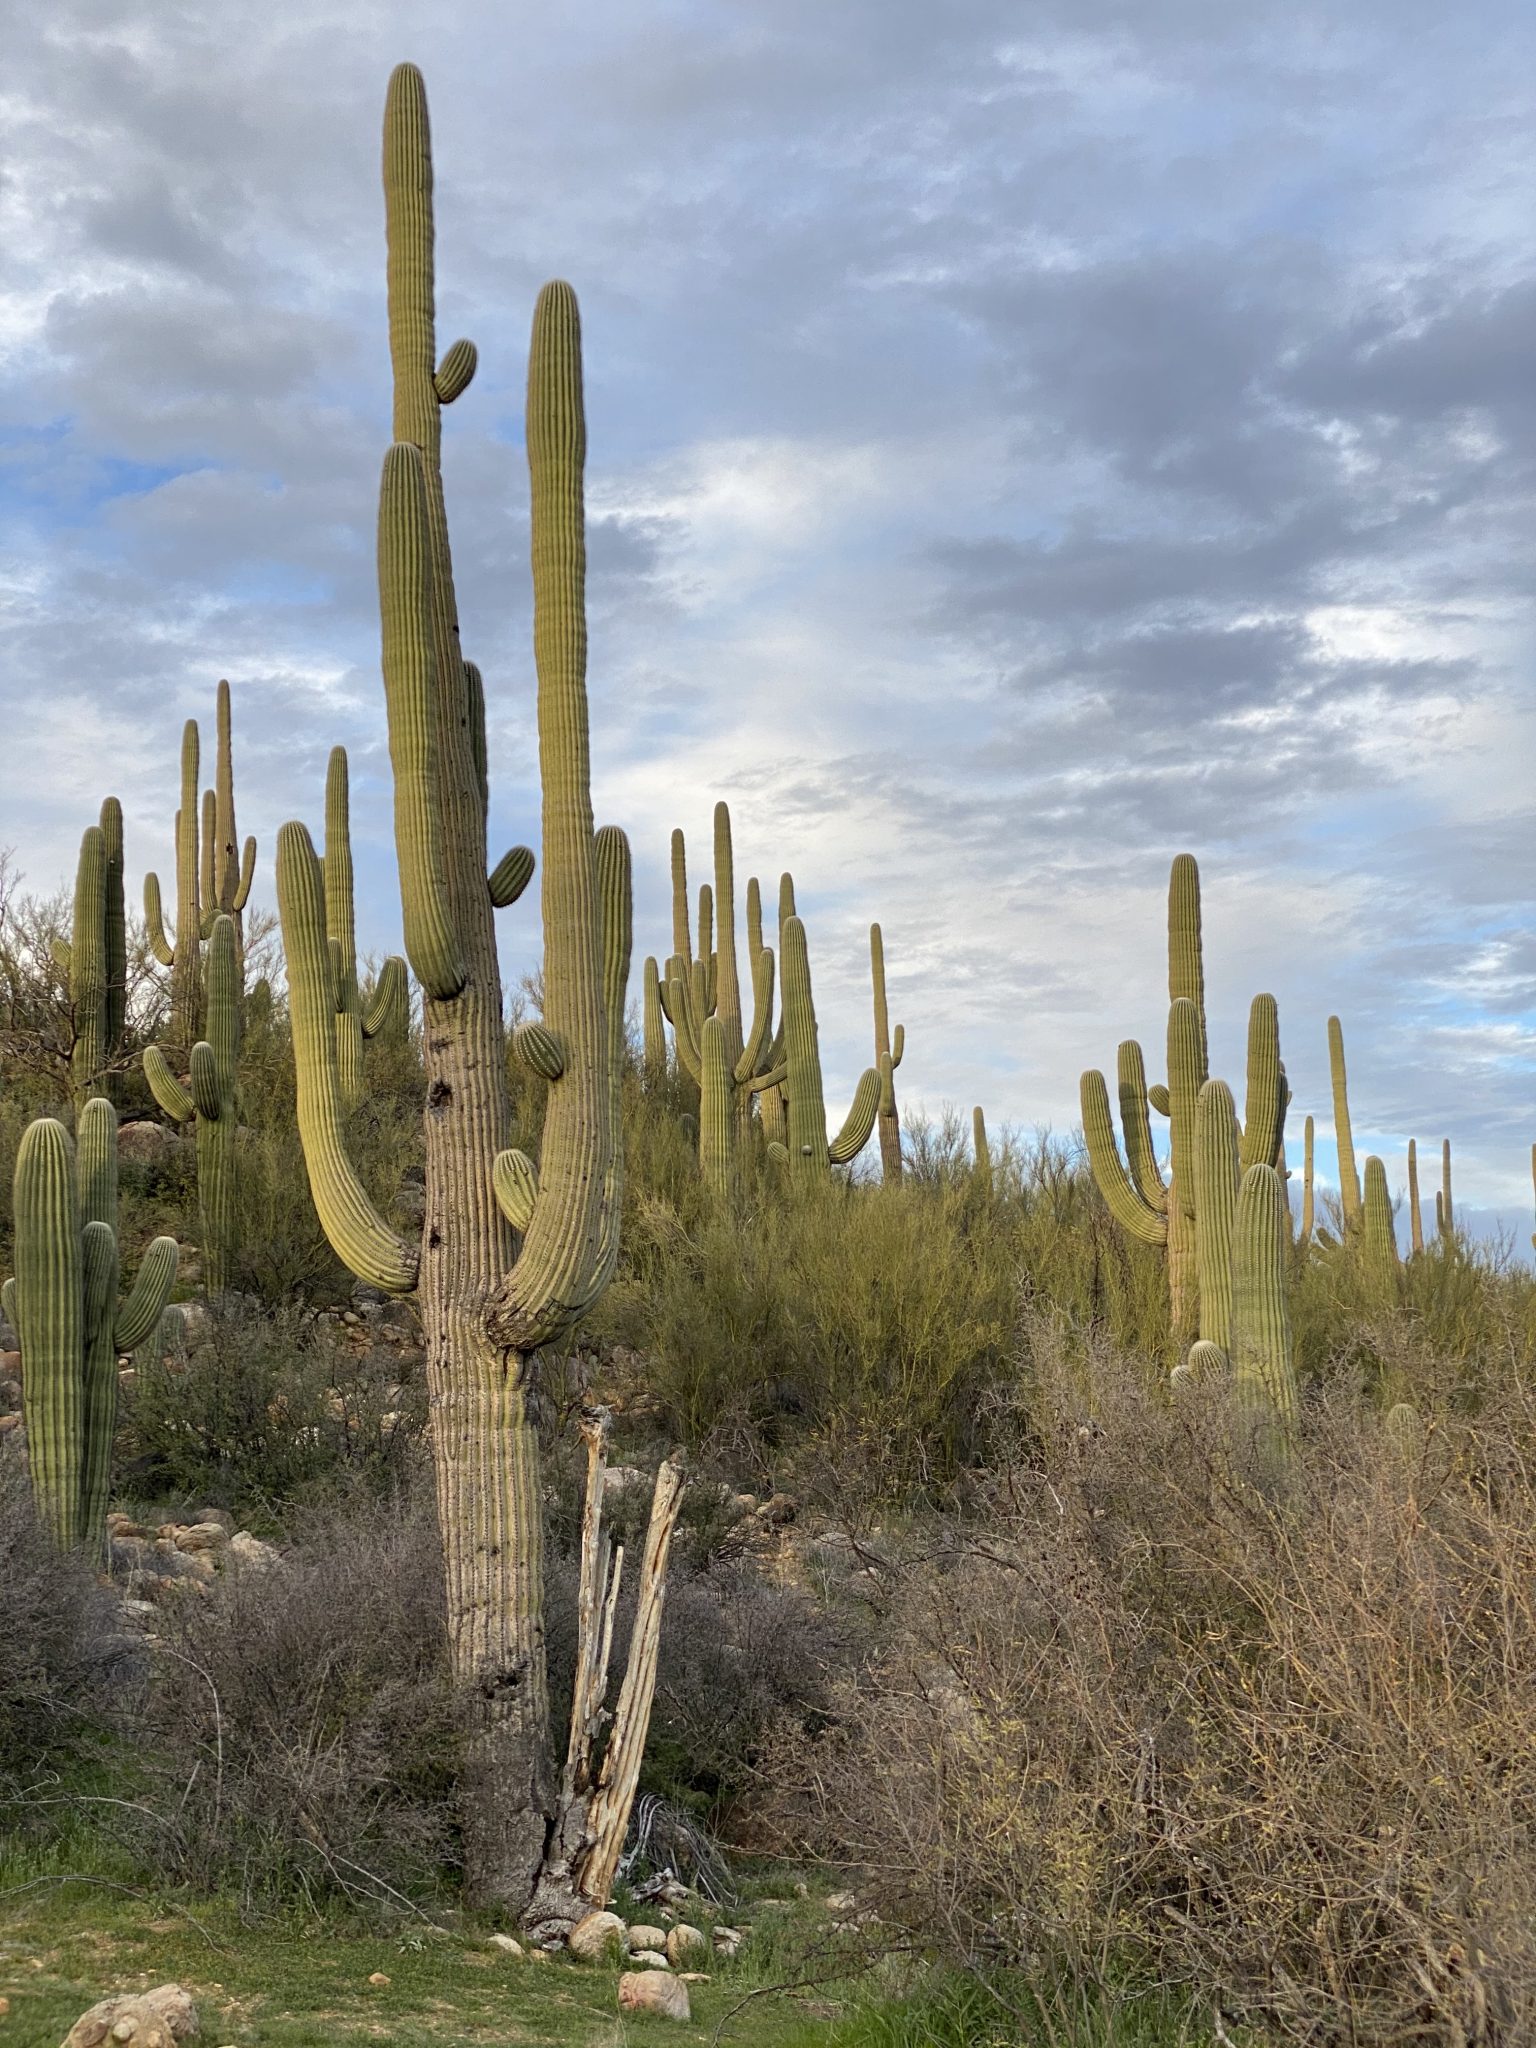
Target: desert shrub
(64, 1663)
(300, 1726)
(1279, 1751)
(266, 1407)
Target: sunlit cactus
(1378, 1234)
(811, 1153)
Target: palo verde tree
(511, 1254)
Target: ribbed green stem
(717, 1110)
(1379, 1238)
(1217, 1174)
(1415, 1212)
(981, 1153)
(88, 966)
(50, 1321)
(1349, 1179)
(1263, 1361)
(887, 1060)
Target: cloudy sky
(1025, 440)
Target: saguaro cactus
(733, 1064)
(981, 1154)
(1378, 1237)
(387, 1007)
(487, 1306)
(213, 876)
(210, 1102)
(811, 1155)
(96, 957)
(1263, 1354)
(888, 1056)
(1415, 1210)
(1153, 1209)
(1349, 1178)
(69, 1322)
(1445, 1212)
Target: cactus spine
(388, 1006)
(888, 1055)
(487, 1306)
(209, 1102)
(69, 1321)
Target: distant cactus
(95, 957)
(1155, 1210)
(1415, 1209)
(388, 1008)
(210, 1101)
(1349, 1179)
(213, 876)
(1378, 1237)
(888, 1056)
(810, 1152)
(69, 1322)
(1263, 1358)
(981, 1154)
(654, 1039)
(1217, 1177)
(1445, 1213)
(1308, 1198)
(742, 1059)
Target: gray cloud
(1019, 449)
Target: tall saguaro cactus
(210, 1102)
(888, 1056)
(213, 875)
(487, 1302)
(69, 1322)
(96, 957)
(356, 1020)
(811, 1153)
(1349, 1178)
(1150, 1207)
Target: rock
(507, 1945)
(619, 1477)
(777, 1510)
(650, 1991)
(597, 1935)
(146, 1143)
(201, 1536)
(727, 1940)
(649, 1959)
(378, 1977)
(10, 1364)
(137, 2019)
(250, 1552)
(686, 1944)
(643, 1936)
(694, 1977)
(217, 1518)
(840, 1902)
(10, 1422)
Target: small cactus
(1263, 1359)
(981, 1154)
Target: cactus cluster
(734, 1061)
(63, 1301)
(213, 875)
(1155, 1208)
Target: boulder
(641, 1935)
(219, 1518)
(251, 1553)
(649, 1959)
(686, 1945)
(137, 2019)
(507, 1946)
(597, 1935)
(654, 1991)
(727, 1940)
(201, 1536)
(147, 1144)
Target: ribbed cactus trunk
(886, 1062)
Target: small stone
(694, 1977)
(378, 1977)
(684, 1943)
(597, 1935)
(507, 1945)
(643, 1936)
(646, 1991)
(727, 1940)
(649, 1959)
(250, 1551)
